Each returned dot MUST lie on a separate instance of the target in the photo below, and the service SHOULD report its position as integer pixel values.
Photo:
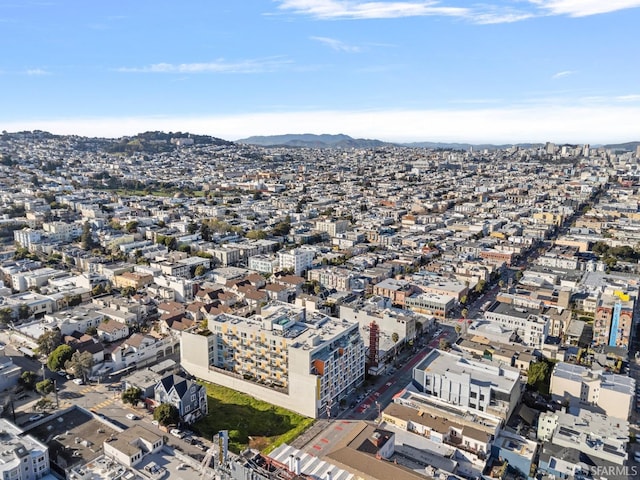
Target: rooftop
(484, 371)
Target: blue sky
(450, 70)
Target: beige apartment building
(306, 363)
(595, 390)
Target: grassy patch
(251, 422)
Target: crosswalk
(97, 406)
(104, 404)
(67, 402)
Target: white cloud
(628, 98)
(337, 45)
(218, 66)
(341, 9)
(593, 124)
(583, 8)
(564, 73)
(485, 13)
(37, 72)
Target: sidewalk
(318, 427)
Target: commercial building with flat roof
(477, 384)
(430, 304)
(529, 323)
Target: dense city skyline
(503, 72)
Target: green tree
(74, 300)
(200, 270)
(205, 232)
(256, 234)
(171, 243)
(464, 312)
(600, 248)
(131, 227)
(28, 379)
(283, 228)
(97, 290)
(480, 286)
(24, 312)
(128, 291)
(43, 404)
(6, 315)
(458, 328)
(518, 276)
(115, 224)
(444, 344)
(463, 300)
(537, 373)
(86, 238)
(166, 414)
(49, 341)
(395, 337)
(59, 357)
(45, 387)
(131, 395)
(93, 331)
(80, 364)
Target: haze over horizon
(505, 71)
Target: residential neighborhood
(422, 313)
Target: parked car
(177, 432)
(62, 373)
(78, 381)
(132, 416)
(35, 417)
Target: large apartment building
(462, 380)
(332, 227)
(341, 279)
(298, 259)
(595, 390)
(306, 363)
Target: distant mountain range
(310, 140)
(627, 147)
(345, 141)
(151, 142)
